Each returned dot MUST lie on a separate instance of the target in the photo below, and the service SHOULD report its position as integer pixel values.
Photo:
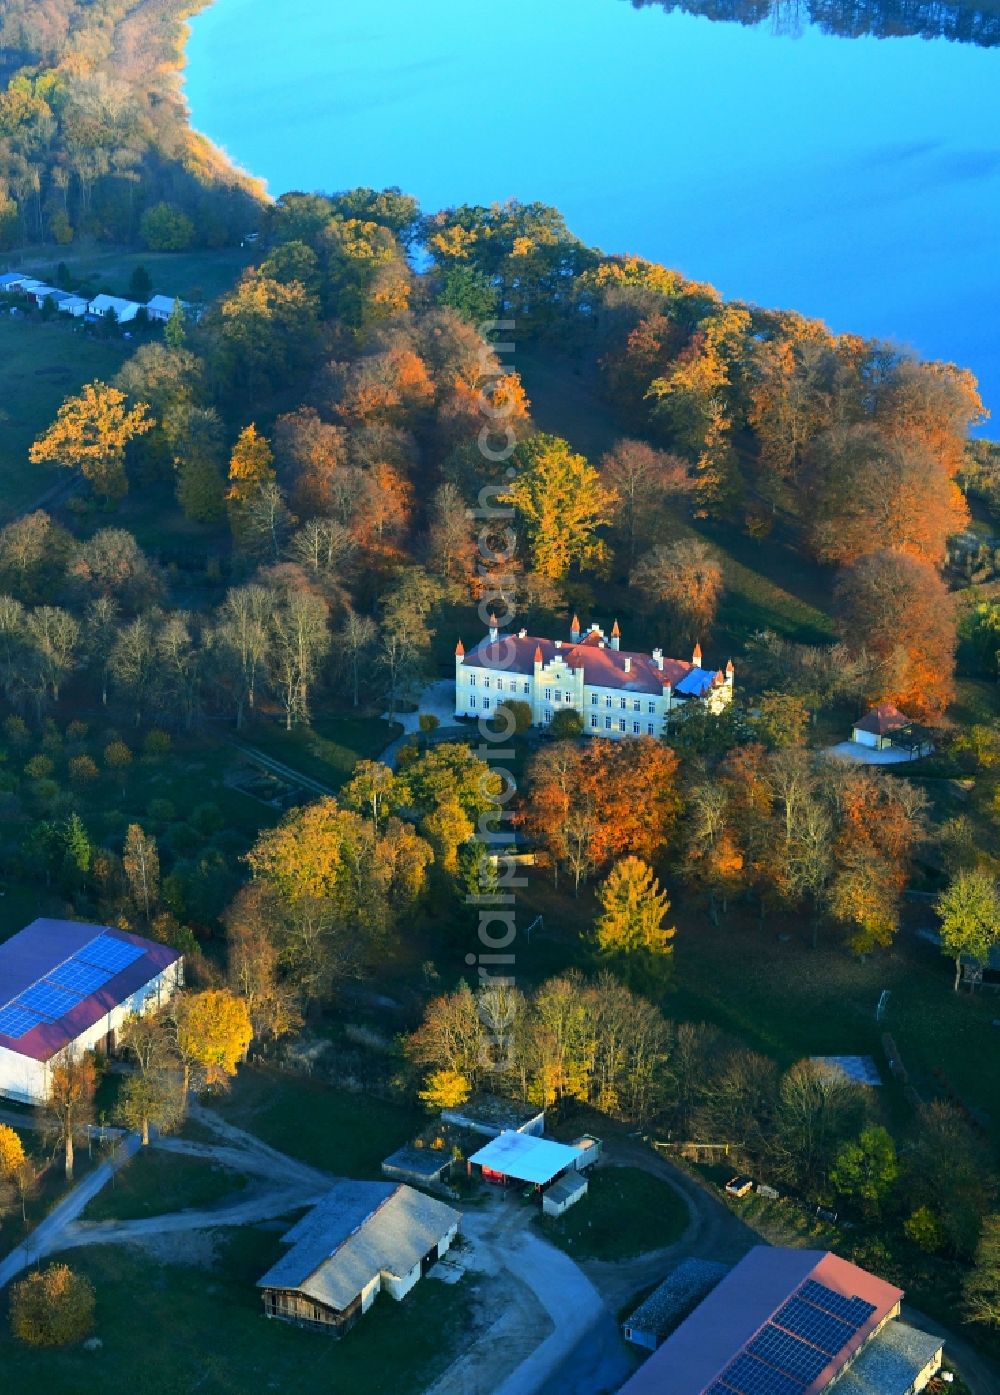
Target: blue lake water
(854, 179)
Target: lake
(856, 179)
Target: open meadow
(41, 363)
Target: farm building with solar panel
(793, 1322)
(68, 985)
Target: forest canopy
(94, 136)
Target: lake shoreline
(854, 233)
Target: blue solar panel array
(48, 1000)
(108, 953)
(79, 978)
(746, 1376)
(59, 992)
(789, 1354)
(799, 1342)
(823, 1330)
(15, 1021)
(854, 1311)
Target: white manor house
(617, 692)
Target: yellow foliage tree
(90, 434)
(11, 1153)
(445, 1089)
(250, 465)
(72, 1086)
(633, 909)
(562, 503)
(52, 1307)
(212, 1032)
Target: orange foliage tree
(589, 805)
(899, 609)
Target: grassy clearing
(766, 986)
(626, 1212)
(330, 749)
(227, 1347)
(789, 1001)
(195, 276)
(40, 365)
(343, 1133)
(155, 1182)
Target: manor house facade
(617, 692)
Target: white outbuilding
(69, 986)
(161, 307)
(122, 310)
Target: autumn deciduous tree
(589, 805)
(445, 1089)
(149, 1097)
(869, 489)
(340, 887)
(311, 451)
(212, 1032)
(52, 1307)
(253, 963)
(72, 1086)
(692, 401)
(251, 470)
(969, 911)
(981, 1291)
(11, 1151)
(817, 1111)
(141, 864)
(685, 578)
(90, 434)
(562, 504)
(13, 1163)
(597, 1042)
(630, 928)
(899, 609)
(644, 479)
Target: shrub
(117, 755)
(77, 730)
(157, 744)
(566, 724)
(925, 1230)
(164, 228)
(39, 767)
(83, 770)
(52, 1307)
(17, 731)
(519, 719)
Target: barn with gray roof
(362, 1238)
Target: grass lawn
(786, 1000)
(40, 365)
(196, 276)
(156, 1182)
(167, 1328)
(341, 1132)
(789, 1001)
(330, 749)
(626, 1212)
